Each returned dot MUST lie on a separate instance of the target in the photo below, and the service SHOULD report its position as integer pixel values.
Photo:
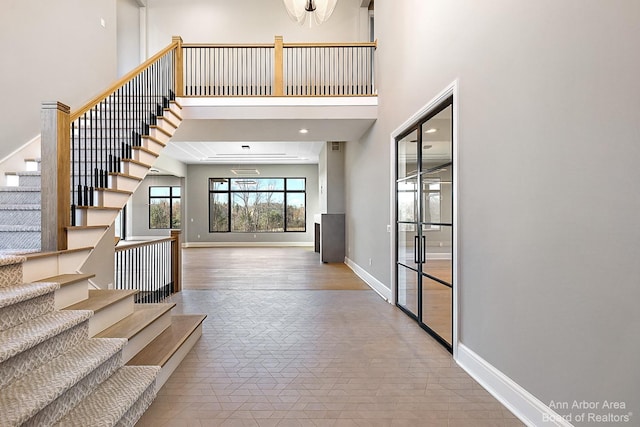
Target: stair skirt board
(21, 364)
(121, 400)
(60, 384)
(71, 294)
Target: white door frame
(450, 90)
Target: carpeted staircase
(51, 372)
(20, 209)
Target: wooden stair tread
(113, 190)
(101, 298)
(143, 315)
(67, 279)
(146, 150)
(156, 140)
(136, 162)
(156, 127)
(160, 350)
(86, 227)
(124, 175)
(36, 255)
(99, 208)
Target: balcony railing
(279, 69)
(152, 268)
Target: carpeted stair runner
(51, 372)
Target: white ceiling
(215, 133)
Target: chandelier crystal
(310, 12)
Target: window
(257, 205)
(164, 207)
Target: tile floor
(315, 358)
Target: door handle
(423, 257)
(416, 247)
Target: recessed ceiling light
(431, 130)
(304, 130)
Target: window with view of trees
(164, 207)
(257, 205)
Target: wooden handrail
(361, 44)
(126, 246)
(122, 81)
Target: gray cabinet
(332, 238)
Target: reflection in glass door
(424, 223)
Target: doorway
(424, 231)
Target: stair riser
(67, 262)
(119, 182)
(24, 311)
(152, 145)
(11, 271)
(112, 199)
(81, 238)
(71, 294)
(91, 217)
(20, 217)
(26, 361)
(135, 169)
(29, 181)
(59, 407)
(159, 135)
(144, 337)
(19, 197)
(23, 240)
(108, 316)
(167, 125)
(173, 116)
(144, 157)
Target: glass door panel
(407, 195)
(437, 306)
(407, 287)
(407, 153)
(406, 247)
(437, 197)
(436, 140)
(439, 253)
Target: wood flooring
(260, 268)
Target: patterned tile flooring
(315, 358)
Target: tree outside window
(257, 205)
(164, 207)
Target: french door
(424, 222)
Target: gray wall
(246, 21)
(331, 178)
(128, 35)
(52, 51)
(197, 204)
(548, 95)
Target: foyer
(329, 352)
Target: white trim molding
(244, 244)
(373, 283)
(529, 409)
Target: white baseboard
(373, 283)
(529, 409)
(244, 244)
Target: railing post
(278, 65)
(56, 181)
(176, 260)
(179, 71)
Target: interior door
(424, 223)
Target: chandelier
(313, 12)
